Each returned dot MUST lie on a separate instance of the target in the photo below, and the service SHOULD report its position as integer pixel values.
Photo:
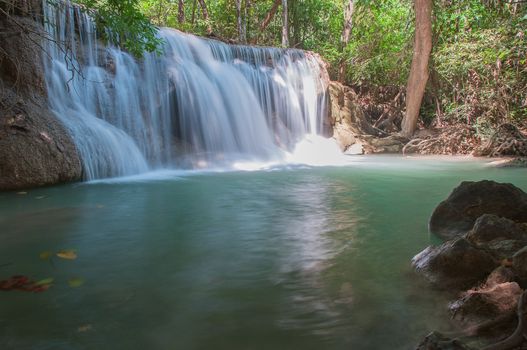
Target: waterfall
(198, 103)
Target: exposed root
(452, 140)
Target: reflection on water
(289, 258)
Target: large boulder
(35, 148)
(457, 214)
(501, 237)
(456, 264)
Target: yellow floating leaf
(75, 282)
(46, 255)
(67, 254)
(84, 328)
(44, 281)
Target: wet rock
(35, 149)
(499, 236)
(500, 275)
(488, 302)
(519, 265)
(457, 214)
(456, 264)
(438, 341)
(489, 227)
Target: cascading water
(199, 103)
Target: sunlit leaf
(67, 254)
(75, 282)
(45, 281)
(84, 328)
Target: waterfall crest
(199, 103)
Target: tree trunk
(268, 18)
(247, 12)
(345, 37)
(285, 25)
(193, 13)
(181, 12)
(240, 21)
(416, 85)
(205, 13)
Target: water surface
(288, 258)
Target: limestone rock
(346, 115)
(456, 264)
(457, 214)
(35, 149)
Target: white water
(199, 104)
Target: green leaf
(45, 281)
(75, 282)
(46, 255)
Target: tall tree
(181, 12)
(205, 13)
(345, 37)
(416, 85)
(268, 18)
(285, 25)
(241, 21)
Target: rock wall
(351, 129)
(35, 149)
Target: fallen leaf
(21, 193)
(85, 328)
(46, 255)
(45, 281)
(75, 282)
(67, 254)
(23, 283)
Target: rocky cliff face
(351, 129)
(35, 149)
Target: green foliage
(380, 51)
(125, 24)
(479, 63)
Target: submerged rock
(455, 264)
(438, 341)
(457, 214)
